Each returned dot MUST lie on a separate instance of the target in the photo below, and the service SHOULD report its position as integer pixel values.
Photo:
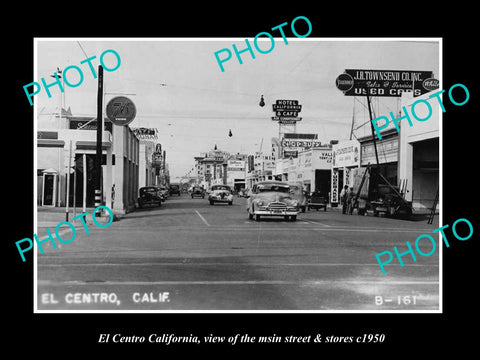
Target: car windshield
(149, 190)
(272, 187)
(220, 188)
(197, 189)
(173, 186)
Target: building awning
(50, 143)
(92, 145)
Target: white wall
(420, 130)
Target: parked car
(297, 193)
(198, 191)
(221, 194)
(242, 192)
(317, 201)
(389, 202)
(149, 195)
(271, 198)
(174, 189)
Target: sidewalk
(49, 217)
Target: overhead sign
(236, 165)
(145, 133)
(121, 110)
(286, 112)
(346, 154)
(303, 143)
(358, 82)
(290, 153)
(286, 118)
(291, 105)
(300, 136)
(88, 125)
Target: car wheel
(325, 208)
(192, 196)
(286, 217)
(250, 216)
(211, 202)
(303, 209)
(230, 203)
(257, 217)
(293, 217)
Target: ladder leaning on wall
(434, 208)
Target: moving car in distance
(149, 195)
(271, 198)
(174, 189)
(317, 201)
(297, 193)
(163, 192)
(221, 194)
(198, 191)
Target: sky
(178, 87)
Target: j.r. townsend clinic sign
(354, 82)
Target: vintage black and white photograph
(262, 174)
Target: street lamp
(57, 74)
(261, 103)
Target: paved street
(189, 255)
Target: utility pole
(98, 156)
(373, 131)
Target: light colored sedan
(220, 194)
(272, 198)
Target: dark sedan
(149, 195)
(198, 191)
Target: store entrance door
(49, 190)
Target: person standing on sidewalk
(350, 201)
(343, 199)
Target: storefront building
(345, 158)
(236, 174)
(146, 175)
(387, 151)
(211, 168)
(419, 165)
(260, 167)
(314, 168)
(73, 141)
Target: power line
(78, 42)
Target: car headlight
(260, 203)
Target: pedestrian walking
(350, 201)
(343, 198)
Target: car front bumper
(220, 199)
(267, 212)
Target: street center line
(316, 223)
(203, 219)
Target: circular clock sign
(121, 110)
